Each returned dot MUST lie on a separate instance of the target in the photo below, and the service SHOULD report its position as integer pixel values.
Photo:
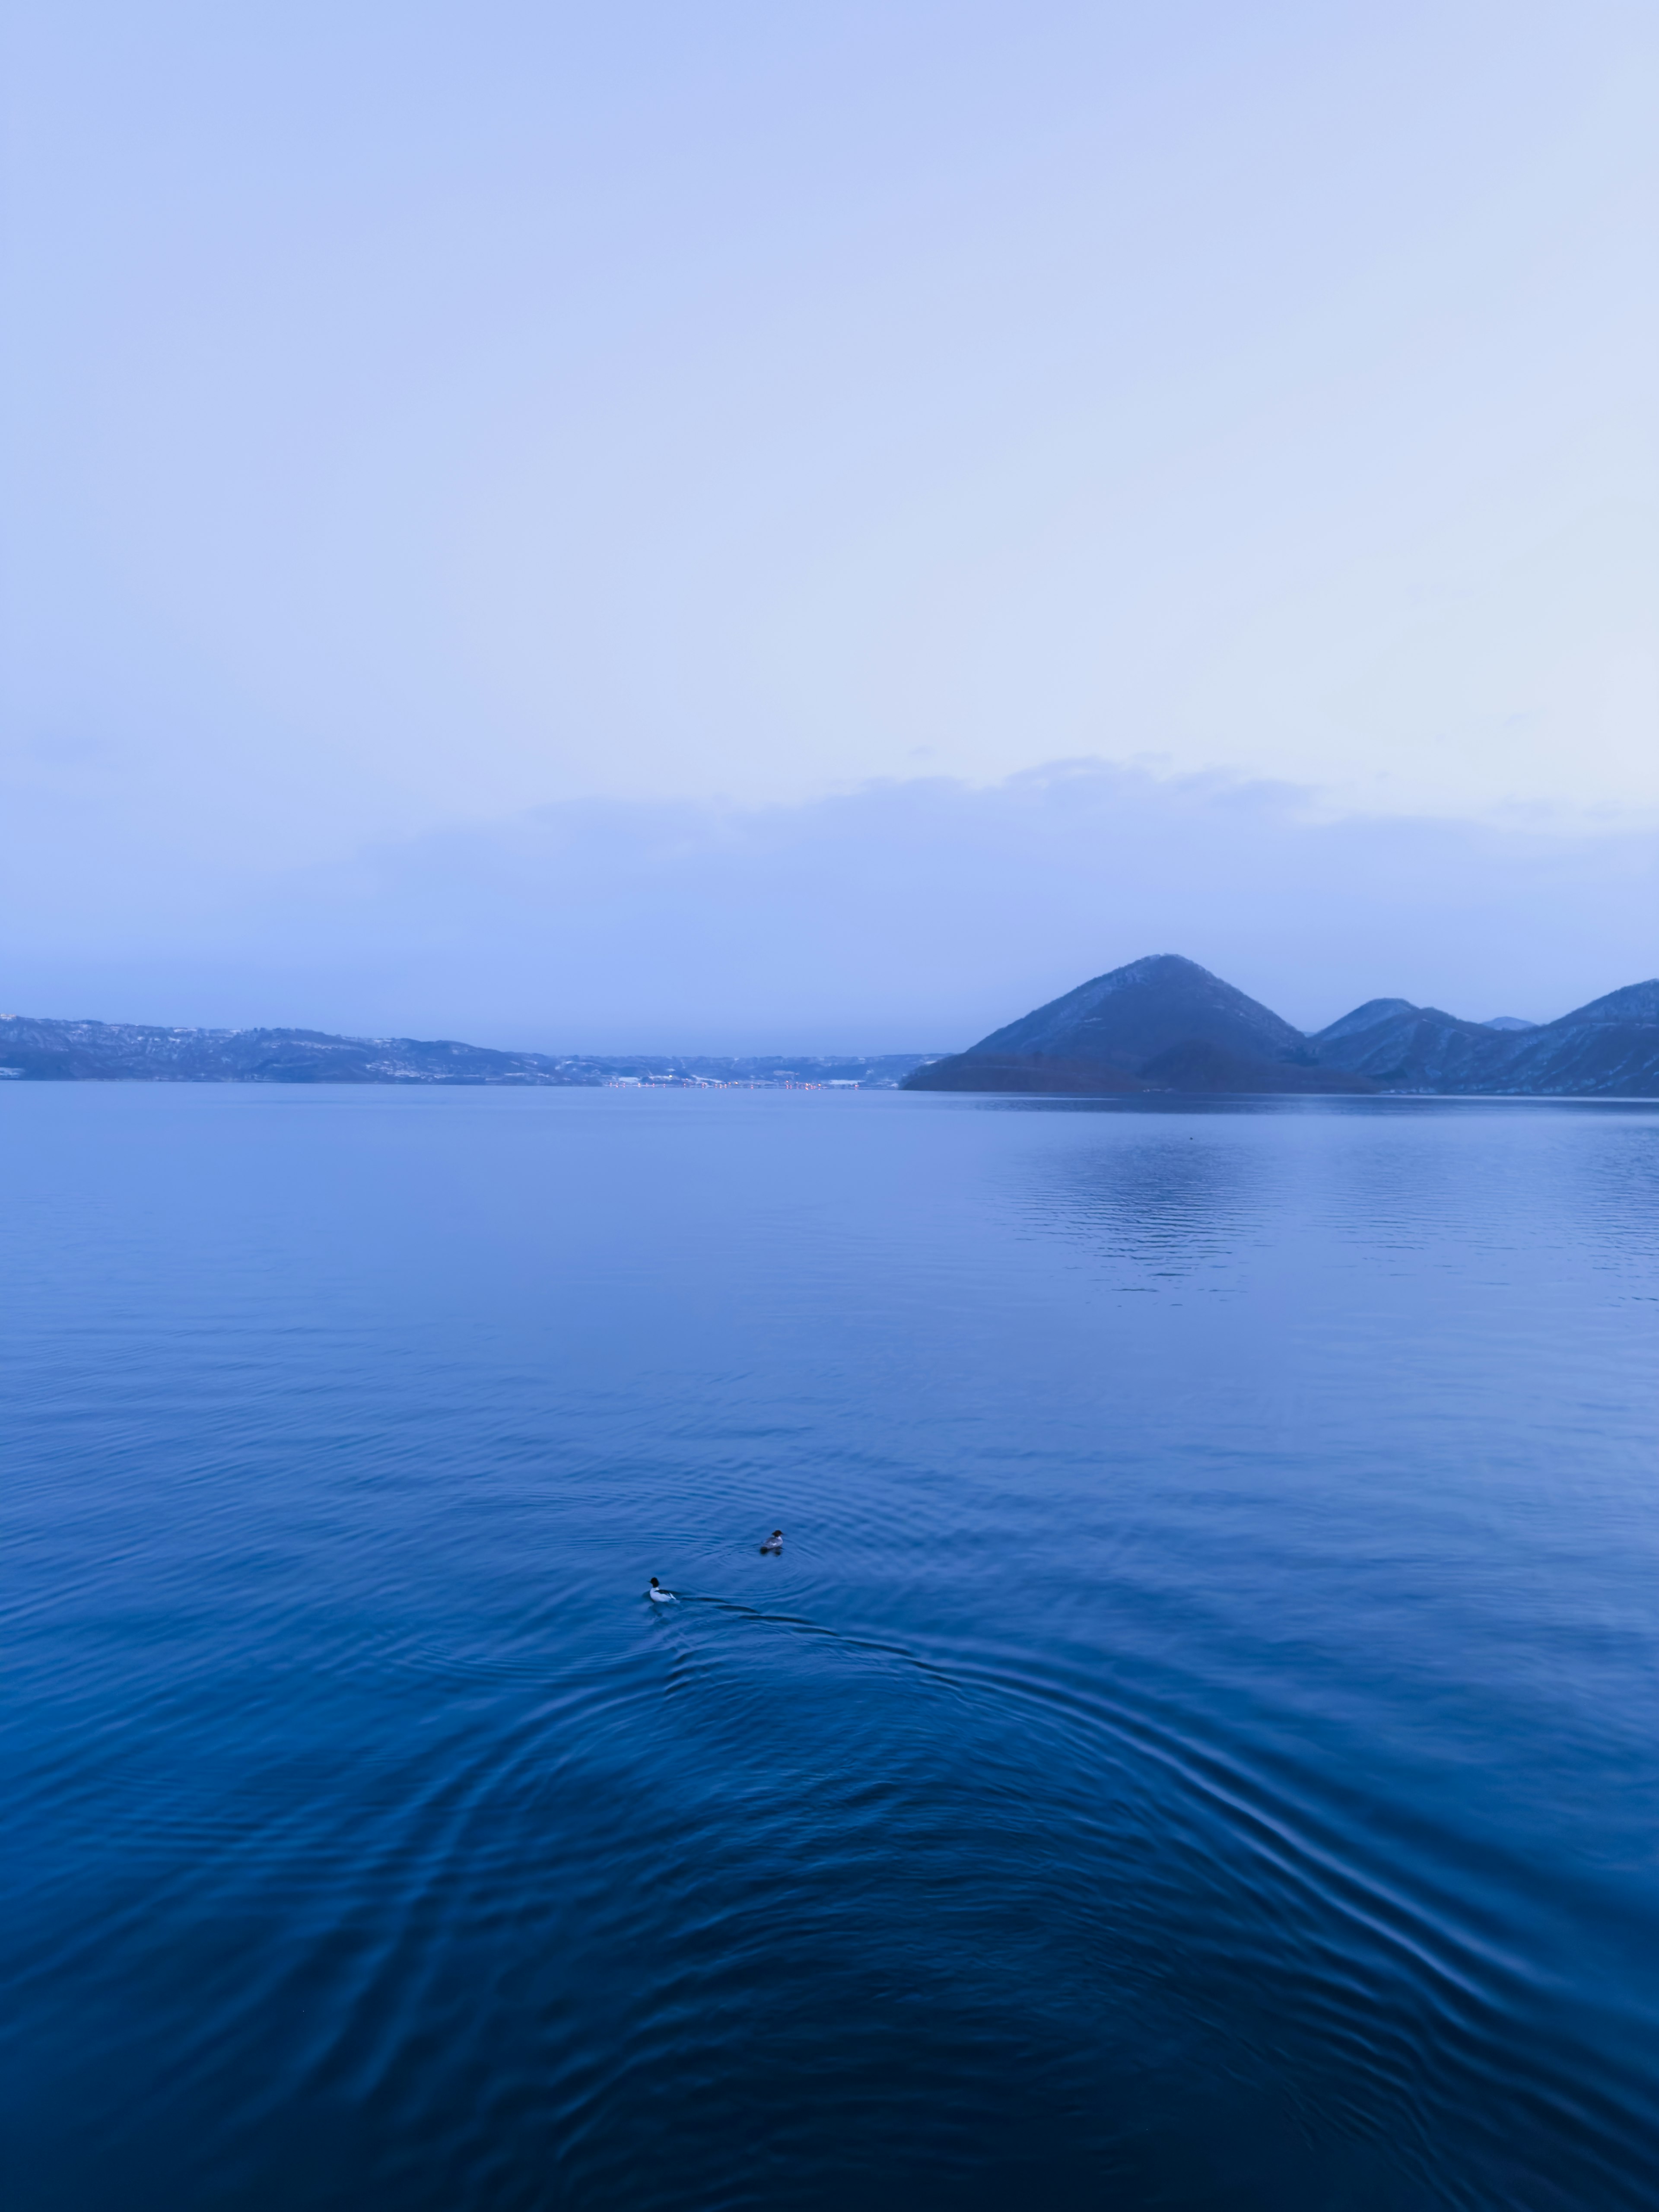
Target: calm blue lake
(1197, 1748)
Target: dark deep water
(1197, 1748)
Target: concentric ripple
(1195, 1751)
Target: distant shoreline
(49, 1051)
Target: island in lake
(1165, 1023)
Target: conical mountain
(1162, 1022)
(1129, 1017)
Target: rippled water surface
(1197, 1749)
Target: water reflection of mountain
(1175, 1190)
(1169, 1195)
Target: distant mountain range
(1165, 1023)
(104, 1052)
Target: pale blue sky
(434, 427)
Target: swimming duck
(658, 1595)
(774, 1542)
